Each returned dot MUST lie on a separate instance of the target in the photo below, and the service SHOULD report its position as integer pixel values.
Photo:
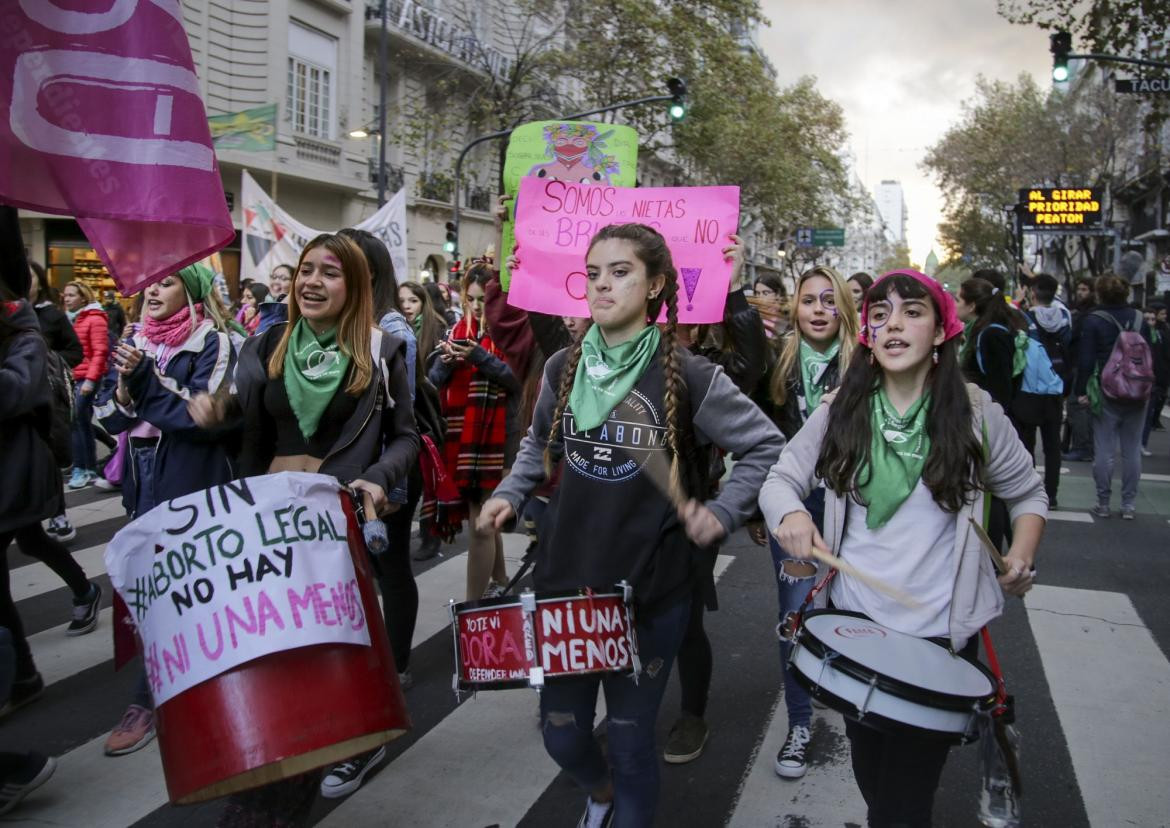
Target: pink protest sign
(101, 119)
(556, 219)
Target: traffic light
(454, 269)
(678, 99)
(452, 238)
(1060, 44)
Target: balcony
(477, 198)
(415, 24)
(317, 151)
(435, 186)
(395, 176)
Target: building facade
(892, 205)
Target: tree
(1133, 28)
(1013, 136)
(898, 260)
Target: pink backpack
(1128, 372)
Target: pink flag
(556, 219)
(101, 119)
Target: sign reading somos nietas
(1059, 208)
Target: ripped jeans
(794, 579)
(567, 709)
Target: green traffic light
(449, 247)
(677, 111)
(1060, 73)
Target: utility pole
(382, 60)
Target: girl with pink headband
(908, 453)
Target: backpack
(59, 434)
(1055, 344)
(1031, 362)
(1128, 372)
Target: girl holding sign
(325, 392)
(627, 410)
(809, 366)
(181, 349)
(907, 454)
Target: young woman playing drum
(315, 396)
(625, 408)
(907, 454)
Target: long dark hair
(384, 283)
(990, 307)
(433, 325)
(650, 248)
(954, 466)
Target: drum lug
(536, 677)
(627, 591)
(863, 708)
(528, 600)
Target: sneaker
(347, 777)
(78, 480)
(105, 485)
(85, 611)
(1127, 513)
(427, 549)
(1146, 452)
(405, 680)
(790, 762)
(1101, 510)
(597, 815)
(493, 590)
(24, 691)
(133, 733)
(686, 740)
(61, 529)
(1076, 457)
(33, 772)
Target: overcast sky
(900, 69)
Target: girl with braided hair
(627, 410)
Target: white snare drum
(888, 679)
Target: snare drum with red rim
(524, 640)
(890, 680)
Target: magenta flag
(101, 119)
(556, 219)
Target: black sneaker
(33, 772)
(597, 815)
(85, 611)
(790, 762)
(347, 777)
(427, 549)
(24, 690)
(60, 529)
(686, 740)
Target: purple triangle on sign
(690, 277)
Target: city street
(1085, 655)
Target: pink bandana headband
(951, 324)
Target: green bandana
(897, 453)
(605, 375)
(314, 367)
(417, 323)
(813, 365)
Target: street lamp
(361, 132)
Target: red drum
(525, 640)
(286, 713)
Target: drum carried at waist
(261, 633)
(528, 639)
(890, 680)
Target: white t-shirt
(914, 552)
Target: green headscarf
(605, 375)
(813, 366)
(314, 367)
(898, 449)
(199, 279)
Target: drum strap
(993, 663)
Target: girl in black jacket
(988, 355)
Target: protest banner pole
(504, 133)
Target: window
(312, 69)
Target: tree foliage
(1017, 135)
(1133, 28)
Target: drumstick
(873, 581)
(996, 558)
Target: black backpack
(1055, 346)
(59, 432)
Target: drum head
(903, 658)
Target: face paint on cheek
(828, 300)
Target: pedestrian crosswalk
(481, 762)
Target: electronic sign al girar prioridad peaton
(1056, 207)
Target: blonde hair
(357, 315)
(83, 289)
(846, 332)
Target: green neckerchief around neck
(898, 449)
(605, 375)
(314, 368)
(813, 367)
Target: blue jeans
(791, 591)
(84, 451)
(567, 709)
(1118, 424)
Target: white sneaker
(597, 815)
(105, 485)
(790, 761)
(347, 777)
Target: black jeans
(396, 578)
(1046, 414)
(34, 542)
(694, 659)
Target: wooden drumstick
(853, 572)
(996, 558)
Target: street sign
(804, 237)
(1053, 208)
(829, 237)
(1142, 86)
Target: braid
(672, 375)
(566, 385)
